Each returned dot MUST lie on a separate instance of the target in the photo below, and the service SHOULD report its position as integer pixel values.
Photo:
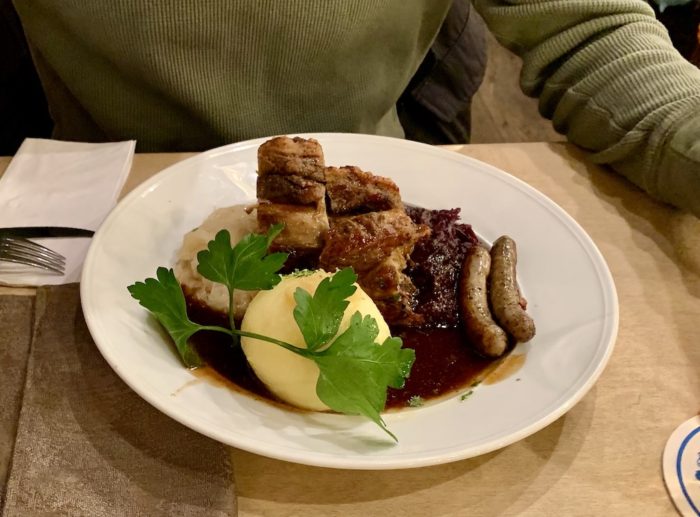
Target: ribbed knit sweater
(190, 75)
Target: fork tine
(30, 246)
(24, 262)
(31, 254)
(22, 251)
(29, 260)
(31, 257)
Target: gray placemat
(16, 314)
(87, 445)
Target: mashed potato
(289, 376)
(215, 296)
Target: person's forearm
(609, 78)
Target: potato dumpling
(289, 376)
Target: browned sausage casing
(486, 336)
(504, 293)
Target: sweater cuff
(678, 168)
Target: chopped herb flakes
(415, 401)
(466, 395)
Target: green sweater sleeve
(608, 76)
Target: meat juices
(339, 217)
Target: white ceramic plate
(568, 285)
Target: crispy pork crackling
(340, 217)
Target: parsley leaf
(245, 266)
(355, 372)
(164, 299)
(319, 316)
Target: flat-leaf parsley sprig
(355, 372)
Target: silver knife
(34, 232)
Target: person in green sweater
(184, 75)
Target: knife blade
(34, 232)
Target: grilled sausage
(506, 302)
(485, 335)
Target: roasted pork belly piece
(392, 290)
(364, 226)
(377, 246)
(292, 156)
(384, 279)
(304, 227)
(290, 189)
(353, 191)
(363, 241)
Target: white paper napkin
(53, 183)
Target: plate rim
(368, 462)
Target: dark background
(23, 110)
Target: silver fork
(22, 251)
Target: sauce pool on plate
(445, 364)
(445, 361)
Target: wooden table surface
(604, 456)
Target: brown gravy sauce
(444, 365)
(508, 367)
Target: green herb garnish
(415, 401)
(245, 266)
(319, 316)
(163, 297)
(466, 395)
(355, 372)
